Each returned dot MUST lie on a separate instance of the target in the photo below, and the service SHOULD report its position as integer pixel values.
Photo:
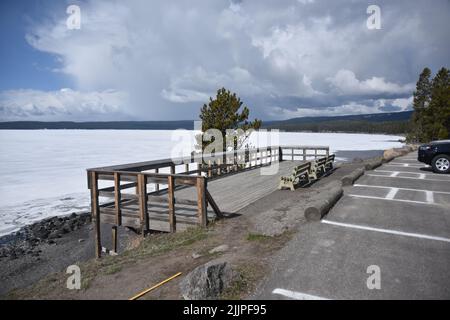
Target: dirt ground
(160, 256)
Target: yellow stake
(154, 287)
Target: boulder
(221, 248)
(207, 281)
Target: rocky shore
(28, 240)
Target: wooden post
(186, 168)
(172, 169)
(304, 154)
(209, 168)
(117, 198)
(114, 238)
(157, 184)
(292, 152)
(142, 184)
(280, 154)
(170, 193)
(95, 211)
(201, 201)
(315, 154)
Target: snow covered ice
(43, 172)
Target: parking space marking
(296, 295)
(394, 174)
(384, 176)
(389, 231)
(407, 189)
(387, 199)
(391, 194)
(402, 164)
(429, 196)
(414, 172)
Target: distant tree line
(431, 117)
(360, 126)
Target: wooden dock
(192, 191)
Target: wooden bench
(318, 166)
(299, 173)
(329, 162)
(321, 166)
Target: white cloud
(403, 103)
(170, 56)
(345, 82)
(59, 105)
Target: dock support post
(170, 193)
(156, 184)
(95, 211)
(117, 198)
(201, 201)
(280, 154)
(114, 239)
(142, 184)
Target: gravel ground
(50, 246)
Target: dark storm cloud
(285, 58)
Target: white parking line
(413, 172)
(385, 176)
(387, 199)
(391, 194)
(401, 233)
(402, 164)
(394, 174)
(408, 189)
(429, 196)
(296, 295)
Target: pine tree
(224, 113)
(438, 112)
(422, 97)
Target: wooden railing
(131, 209)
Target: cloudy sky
(161, 60)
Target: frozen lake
(43, 172)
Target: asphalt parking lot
(387, 238)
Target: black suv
(436, 154)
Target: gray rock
(221, 248)
(207, 281)
(195, 255)
(54, 234)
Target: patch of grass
(257, 237)
(151, 246)
(249, 275)
(114, 268)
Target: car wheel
(441, 164)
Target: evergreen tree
(438, 112)
(224, 112)
(422, 97)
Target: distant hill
(392, 122)
(117, 125)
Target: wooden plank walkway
(236, 191)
